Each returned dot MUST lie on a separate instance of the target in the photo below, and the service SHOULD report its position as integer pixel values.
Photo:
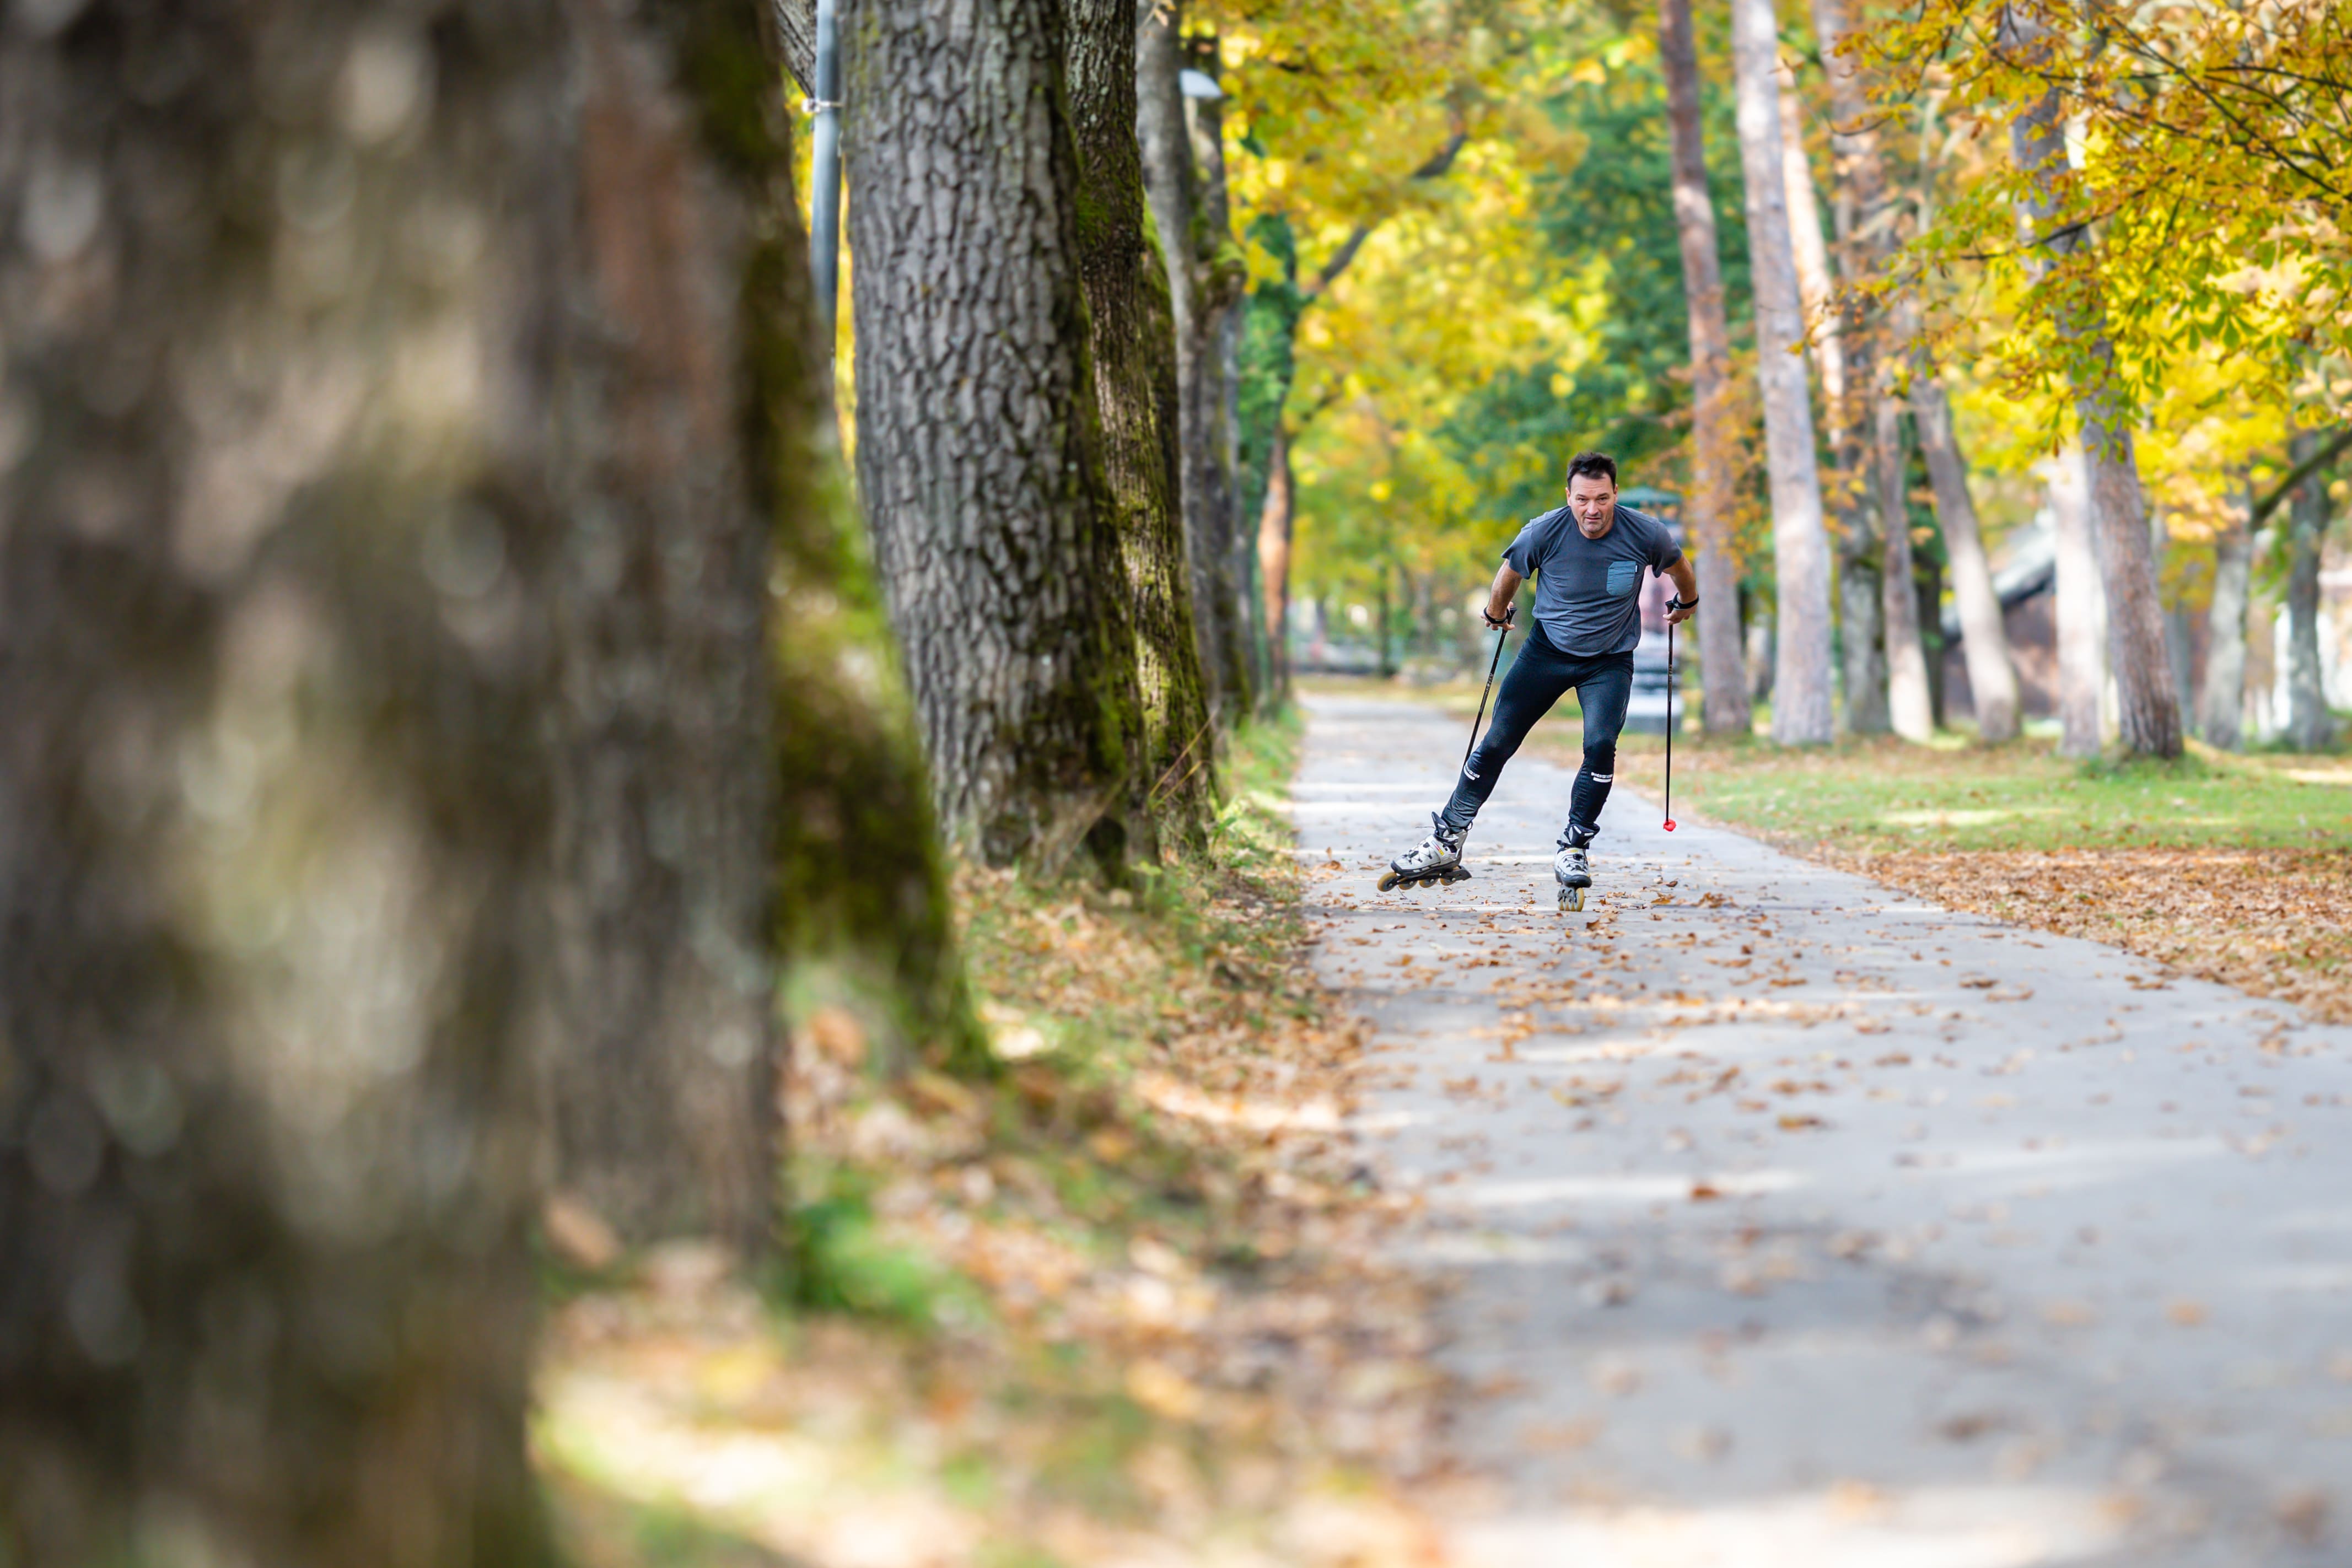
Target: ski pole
(1670, 714)
(1502, 633)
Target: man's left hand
(1678, 612)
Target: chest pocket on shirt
(1622, 576)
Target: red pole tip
(1670, 824)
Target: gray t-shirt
(1589, 592)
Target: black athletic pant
(1539, 678)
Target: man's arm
(1686, 583)
(1499, 598)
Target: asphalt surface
(1792, 1220)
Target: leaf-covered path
(1795, 1220)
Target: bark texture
(1841, 357)
(661, 1091)
(1722, 661)
(1133, 340)
(2222, 711)
(1204, 281)
(2309, 725)
(275, 796)
(1801, 707)
(1872, 219)
(2148, 704)
(979, 443)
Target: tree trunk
(2081, 634)
(662, 1092)
(1274, 565)
(1129, 306)
(1836, 353)
(1802, 708)
(275, 788)
(2222, 711)
(1984, 634)
(1875, 233)
(1713, 438)
(2149, 705)
(1203, 284)
(1224, 279)
(2309, 726)
(980, 443)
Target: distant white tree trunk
(2082, 607)
(2309, 725)
(1713, 430)
(1800, 699)
(1984, 638)
(1843, 363)
(2221, 713)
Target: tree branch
(1435, 167)
(2327, 453)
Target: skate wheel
(1571, 900)
(1388, 880)
(1456, 874)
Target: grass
(1883, 795)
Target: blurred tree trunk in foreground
(1133, 338)
(276, 804)
(979, 441)
(682, 370)
(1204, 282)
(385, 618)
(1722, 658)
(1800, 683)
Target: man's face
(1594, 499)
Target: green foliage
(838, 1260)
(1609, 238)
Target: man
(1587, 559)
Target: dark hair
(1600, 465)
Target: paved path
(1796, 1221)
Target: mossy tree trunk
(1204, 280)
(863, 913)
(1129, 306)
(275, 793)
(980, 443)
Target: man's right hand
(1499, 623)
